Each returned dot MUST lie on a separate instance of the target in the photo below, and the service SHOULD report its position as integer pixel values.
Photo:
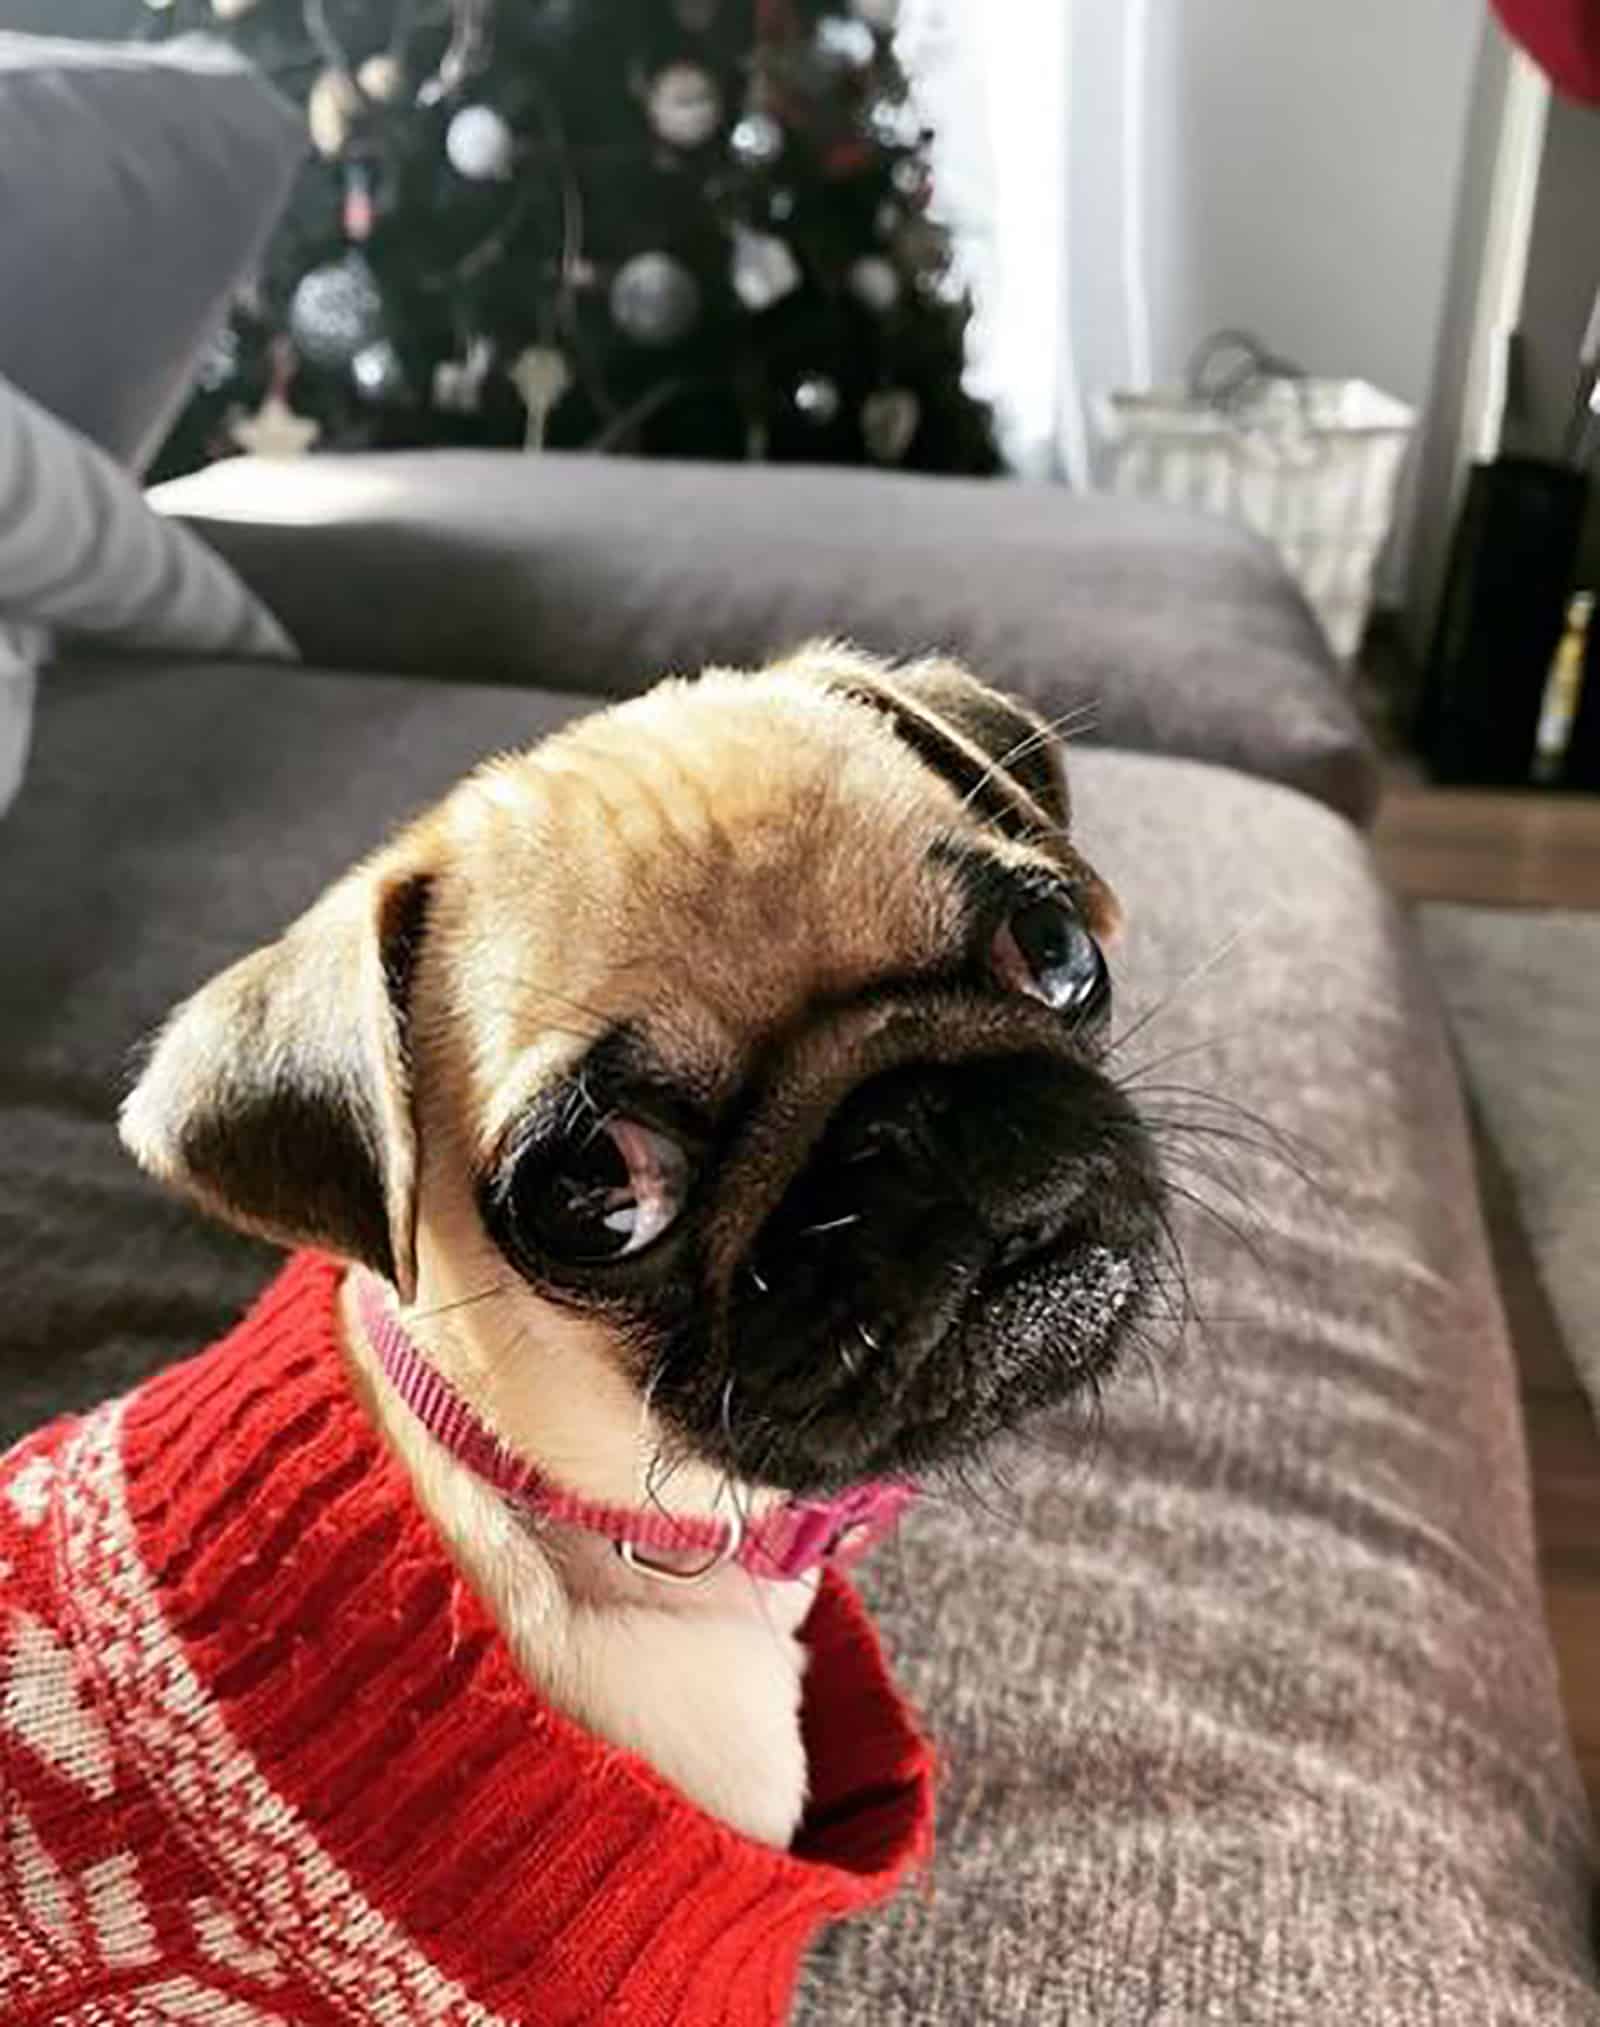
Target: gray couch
(1242, 1691)
(1240, 1683)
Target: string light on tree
(378, 372)
(756, 141)
(817, 399)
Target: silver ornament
(336, 310)
(333, 106)
(479, 144)
(889, 421)
(817, 398)
(378, 373)
(756, 142)
(781, 205)
(382, 77)
(872, 280)
(654, 299)
(850, 43)
(763, 270)
(879, 14)
(909, 178)
(684, 105)
(231, 10)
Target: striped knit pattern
(82, 551)
(21, 650)
(264, 1757)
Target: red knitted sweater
(264, 1757)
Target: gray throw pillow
(138, 185)
(21, 649)
(82, 551)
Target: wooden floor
(1526, 850)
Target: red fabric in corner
(1562, 37)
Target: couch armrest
(1170, 632)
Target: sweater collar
(373, 1693)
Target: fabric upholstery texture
(137, 188)
(1159, 629)
(1521, 987)
(1244, 1701)
(80, 551)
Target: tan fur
(708, 863)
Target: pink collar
(790, 1541)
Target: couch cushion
(1173, 633)
(137, 186)
(1245, 1704)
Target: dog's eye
(1042, 949)
(602, 1197)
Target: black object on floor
(1580, 767)
(1501, 619)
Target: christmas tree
(693, 228)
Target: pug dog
(711, 1105)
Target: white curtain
(1038, 109)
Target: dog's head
(746, 1038)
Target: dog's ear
(279, 1095)
(999, 755)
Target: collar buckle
(663, 1573)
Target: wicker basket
(1311, 464)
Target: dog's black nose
(961, 1241)
(971, 1165)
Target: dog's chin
(1026, 1338)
